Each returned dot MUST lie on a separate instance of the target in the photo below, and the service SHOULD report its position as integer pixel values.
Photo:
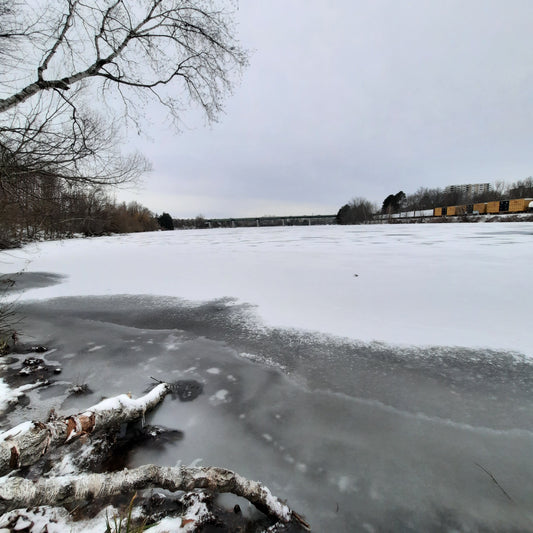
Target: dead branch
(495, 481)
(26, 443)
(19, 492)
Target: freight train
(521, 205)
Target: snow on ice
(440, 284)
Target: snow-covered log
(26, 443)
(18, 492)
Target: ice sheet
(441, 284)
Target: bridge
(308, 220)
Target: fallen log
(26, 443)
(18, 492)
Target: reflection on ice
(355, 436)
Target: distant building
(470, 188)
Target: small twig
(495, 481)
(158, 380)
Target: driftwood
(18, 492)
(26, 443)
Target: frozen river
(378, 378)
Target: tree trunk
(26, 443)
(19, 492)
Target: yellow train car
(519, 205)
(493, 207)
(480, 208)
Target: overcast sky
(347, 98)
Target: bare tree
(172, 51)
(521, 188)
(60, 139)
(80, 57)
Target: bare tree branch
(68, 22)
(171, 40)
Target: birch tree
(72, 72)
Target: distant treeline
(360, 211)
(191, 223)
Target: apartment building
(469, 188)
